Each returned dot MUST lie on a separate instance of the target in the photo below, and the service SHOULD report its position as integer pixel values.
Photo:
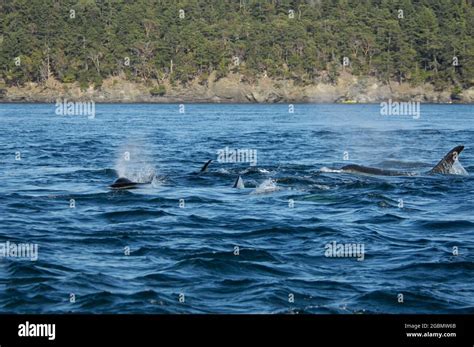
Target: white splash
(133, 163)
(266, 186)
(321, 186)
(326, 169)
(157, 181)
(458, 169)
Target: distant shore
(234, 89)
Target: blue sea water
(235, 250)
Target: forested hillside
(310, 41)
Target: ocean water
(189, 243)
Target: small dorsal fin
(204, 168)
(239, 183)
(445, 164)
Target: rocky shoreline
(234, 89)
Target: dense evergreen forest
(309, 41)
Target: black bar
(320, 330)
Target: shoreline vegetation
(230, 89)
(247, 51)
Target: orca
(125, 183)
(239, 183)
(204, 168)
(444, 167)
(353, 168)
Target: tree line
(307, 41)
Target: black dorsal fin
(239, 183)
(204, 168)
(445, 164)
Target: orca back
(123, 183)
(371, 170)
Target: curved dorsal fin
(204, 168)
(445, 164)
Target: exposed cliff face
(233, 89)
